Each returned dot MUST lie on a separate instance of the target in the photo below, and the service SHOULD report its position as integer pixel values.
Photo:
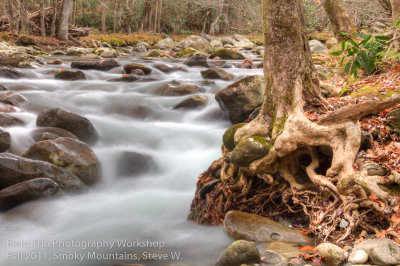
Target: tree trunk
(63, 24)
(159, 16)
(23, 14)
(216, 18)
(42, 22)
(387, 5)
(103, 18)
(395, 9)
(14, 19)
(54, 18)
(126, 24)
(155, 16)
(339, 19)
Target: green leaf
(337, 53)
(353, 43)
(367, 39)
(383, 38)
(343, 45)
(354, 68)
(347, 67)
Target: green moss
(154, 53)
(229, 136)
(249, 150)
(224, 53)
(98, 51)
(115, 42)
(345, 91)
(43, 52)
(186, 52)
(373, 91)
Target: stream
(134, 216)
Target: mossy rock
(345, 92)
(25, 41)
(394, 118)
(186, 52)
(373, 91)
(224, 53)
(229, 136)
(249, 150)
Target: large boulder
(71, 154)
(239, 253)
(69, 75)
(29, 190)
(106, 52)
(15, 169)
(381, 251)
(196, 42)
(5, 140)
(129, 68)
(76, 124)
(51, 133)
(103, 65)
(133, 163)
(196, 60)
(242, 42)
(7, 120)
(9, 73)
(177, 88)
(19, 57)
(12, 98)
(216, 73)
(252, 227)
(227, 54)
(216, 44)
(167, 43)
(317, 47)
(193, 102)
(241, 98)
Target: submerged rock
(71, 154)
(227, 54)
(241, 98)
(5, 140)
(7, 120)
(196, 60)
(9, 73)
(193, 102)
(128, 68)
(69, 75)
(51, 133)
(238, 253)
(134, 163)
(216, 73)
(125, 78)
(17, 169)
(252, 227)
(78, 125)
(103, 65)
(29, 190)
(168, 68)
(177, 88)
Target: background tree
(64, 18)
(395, 9)
(340, 21)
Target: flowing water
(121, 216)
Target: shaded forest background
(182, 16)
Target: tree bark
(54, 18)
(216, 18)
(14, 20)
(159, 16)
(395, 9)
(63, 24)
(126, 25)
(42, 22)
(339, 19)
(103, 18)
(156, 16)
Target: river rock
(157, 54)
(228, 40)
(249, 150)
(76, 124)
(193, 102)
(374, 169)
(9, 73)
(29, 190)
(177, 88)
(69, 75)
(241, 98)
(227, 54)
(329, 90)
(51, 133)
(252, 227)
(228, 138)
(5, 140)
(71, 154)
(358, 257)
(58, 52)
(317, 47)
(277, 252)
(216, 73)
(167, 43)
(12, 98)
(17, 169)
(126, 78)
(238, 253)
(168, 68)
(55, 62)
(77, 51)
(139, 49)
(196, 60)
(332, 254)
(133, 163)
(242, 42)
(103, 65)
(7, 120)
(216, 44)
(106, 52)
(128, 68)
(381, 251)
(196, 42)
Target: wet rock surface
(238, 253)
(103, 65)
